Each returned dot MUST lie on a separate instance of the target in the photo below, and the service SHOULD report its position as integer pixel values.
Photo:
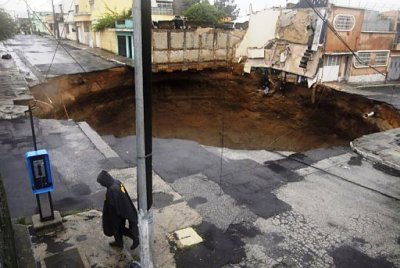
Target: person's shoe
(135, 244)
(116, 244)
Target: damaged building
(323, 43)
(291, 41)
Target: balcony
(82, 16)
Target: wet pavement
(317, 209)
(14, 91)
(75, 160)
(44, 58)
(321, 208)
(263, 209)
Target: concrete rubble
(285, 39)
(382, 147)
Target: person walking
(117, 209)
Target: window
(371, 58)
(344, 22)
(332, 60)
(163, 8)
(364, 59)
(86, 27)
(381, 58)
(76, 9)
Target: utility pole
(141, 11)
(55, 24)
(29, 18)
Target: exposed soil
(205, 106)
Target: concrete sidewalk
(77, 154)
(45, 58)
(104, 54)
(382, 148)
(14, 91)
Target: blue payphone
(39, 170)
(41, 180)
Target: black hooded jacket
(118, 205)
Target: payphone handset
(39, 170)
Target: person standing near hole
(118, 207)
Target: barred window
(373, 58)
(364, 59)
(344, 22)
(381, 58)
(163, 8)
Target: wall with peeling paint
(371, 32)
(278, 39)
(262, 27)
(376, 41)
(333, 44)
(292, 25)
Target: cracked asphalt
(322, 208)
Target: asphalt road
(263, 209)
(322, 208)
(317, 209)
(42, 55)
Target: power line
(55, 51)
(331, 27)
(58, 41)
(222, 138)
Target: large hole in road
(203, 106)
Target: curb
(377, 86)
(102, 146)
(87, 49)
(373, 158)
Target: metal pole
(32, 128)
(141, 84)
(55, 24)
(29, 18)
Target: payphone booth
(39, 169)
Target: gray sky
(369, 4)
(45, 5)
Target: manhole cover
(66, 259)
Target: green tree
(8, 27)
(109, 18)
(228, 7)
(188, 3)
(203, 12)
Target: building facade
(358, 49)
(325, 43)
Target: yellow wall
(108, 40)
(84, 6)
(103, 6)
(71, 35)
